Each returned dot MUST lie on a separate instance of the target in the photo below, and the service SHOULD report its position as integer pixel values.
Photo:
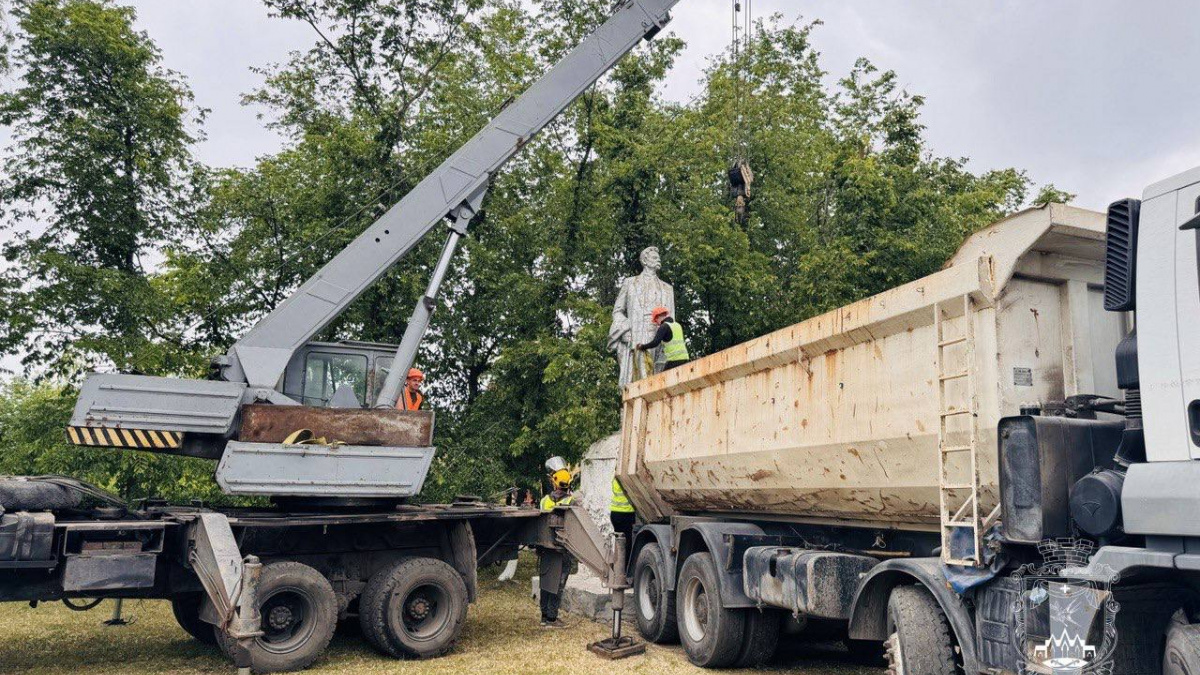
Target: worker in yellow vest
(554, 563)
(670, 336)
(621, 514)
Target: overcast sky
(1096, 96)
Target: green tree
(6, 37)
(1050, 194)
(95, 187)
(849, 201)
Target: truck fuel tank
(818, 584)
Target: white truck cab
(1155, 245)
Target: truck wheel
(186, 608)
(416, 607)
(1182, 656)
(654, 605)
(711, 635)
(920, 641)
(761, 639)
(299, 616)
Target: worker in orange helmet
(670, 336)
(412, 398)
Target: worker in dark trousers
(621, 514)
(554, 564)
(670, 336)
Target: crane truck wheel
(761, 639)
(186, 608)
(414, 608)
(1182, 655)
(920, 641)
(711, 635)
(299, 616)
(654, 604)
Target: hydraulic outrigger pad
(618, 646)
(572, 530)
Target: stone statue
(631, 318)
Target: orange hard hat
(415, 374)
(659, 314)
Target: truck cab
(1153, 270)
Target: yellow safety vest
(620, 503)
(548, 503)
(676, 350)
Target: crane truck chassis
(313, 426)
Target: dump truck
(980, 471)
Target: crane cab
(320, 369)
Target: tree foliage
(849, 200)
(93, 190)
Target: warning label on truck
(1023, 377)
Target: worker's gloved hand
(640, 348)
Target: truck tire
(25, 494)
(920, 641)
(186, 608)
(711, 635)
(761, 638)
(299, 616)
(414, 608)
(1182, 655)
(653, 604)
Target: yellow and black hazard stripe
(142, 439)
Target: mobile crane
(269, 585)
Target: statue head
(651, 261)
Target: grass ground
(502, 636)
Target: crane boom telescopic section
(453, 191)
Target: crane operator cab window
(324, 374)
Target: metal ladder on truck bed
(958, 482)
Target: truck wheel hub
(418, 608)
(280, 617)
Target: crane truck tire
(654, 605)
(1182, 655)
(30, 494)
(712, 635)
(186, 608)
(761, 639)
(920, 641)
(299, 616)
(414, 608)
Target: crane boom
(452, 192)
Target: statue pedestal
(595, 480)
(585, 594)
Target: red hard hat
(416, 374)
(659, 314)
